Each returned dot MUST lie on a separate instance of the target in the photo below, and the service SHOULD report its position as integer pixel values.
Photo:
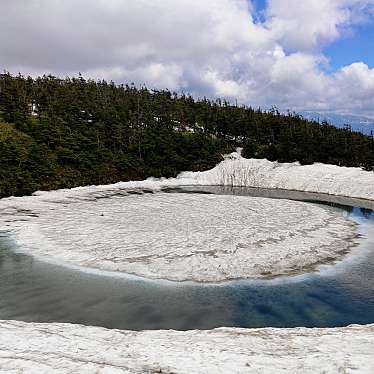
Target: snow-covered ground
(180, 237)
(186, 237)
(66, 217)
(235, 170)
(54, 348)
(330, 179)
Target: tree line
(62, 133)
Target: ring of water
(342, 294)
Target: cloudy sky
(294, 54)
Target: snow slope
(321, 178)
(57, 348)
(235, 170)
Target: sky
(293, 54)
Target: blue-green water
(32, 290)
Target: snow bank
(320, 178)
(57, 348)
(235, 170)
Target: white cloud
(356, 88)
(210, 47)
(303, 25)
(310, 24)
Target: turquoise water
(33, 290)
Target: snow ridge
(320, 178)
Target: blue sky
(260, 6)
(358, 46)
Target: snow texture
(46, 348)
(57, 348)
(181, 237)
(320, 178)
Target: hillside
(62, 133)
(361, 124)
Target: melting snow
(180, 237)
(56, 348)
(190, 237)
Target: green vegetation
(62, 133)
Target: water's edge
(337, 295)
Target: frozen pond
(33, 290)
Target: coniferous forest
(61, 133)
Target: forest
(62, 133)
